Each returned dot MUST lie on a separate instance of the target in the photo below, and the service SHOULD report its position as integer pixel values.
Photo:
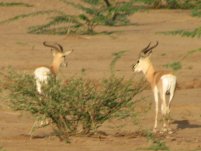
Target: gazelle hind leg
(171, 93)
(172, 90)
(38, 86)
(164, 111)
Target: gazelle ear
(68, 52)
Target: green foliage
(177, 64)
(116, 57)
(158, 146)
(156, 143)
(196, 12)
(108, 12)
(50, 27)
(174, 65)
(93, 13)
(194, 33)
(161, 3)
(117, 12)
(76, 106)
(2, 149)
(173, 4)
(13, 4)
(189, 53)
(197, 9)
(28, 15)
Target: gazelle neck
(149, 73)
(55, 65)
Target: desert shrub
(172, 4)
(14, 4)
(195, 5)
(22, 16)
(92, 13)
(161, 3)
(195, 33)
(77, 106)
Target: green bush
(174, 65)
(92, 14)
(14, 4)
(173, 4)
(77, 106)
(195, 33)
(156, 142)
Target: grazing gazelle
(42, 74)
(162, 83)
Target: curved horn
(143, 51)
(53, 46)
(146, 47)
(147, 50)
(152, 47)
(60, 47)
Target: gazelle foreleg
(156, 109)
(39, 123)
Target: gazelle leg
(164, 109)
(172, 89)
(39, 124)
(33, 128)
(38, 86)
(156, 109)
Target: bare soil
(25, 51)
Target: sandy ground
(24, 52)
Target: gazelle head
(59, 56)
(143, 60)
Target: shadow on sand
(183, 124)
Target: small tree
(75, 106)
(78, 106)
(94, 12)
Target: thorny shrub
(78, 106)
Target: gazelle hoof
(165, 130)
(154, 130)
(170, 131)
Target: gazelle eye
(138, 61)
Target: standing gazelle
(42, 74)
(162, 83)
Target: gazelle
(162, 83)
(42, 74)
